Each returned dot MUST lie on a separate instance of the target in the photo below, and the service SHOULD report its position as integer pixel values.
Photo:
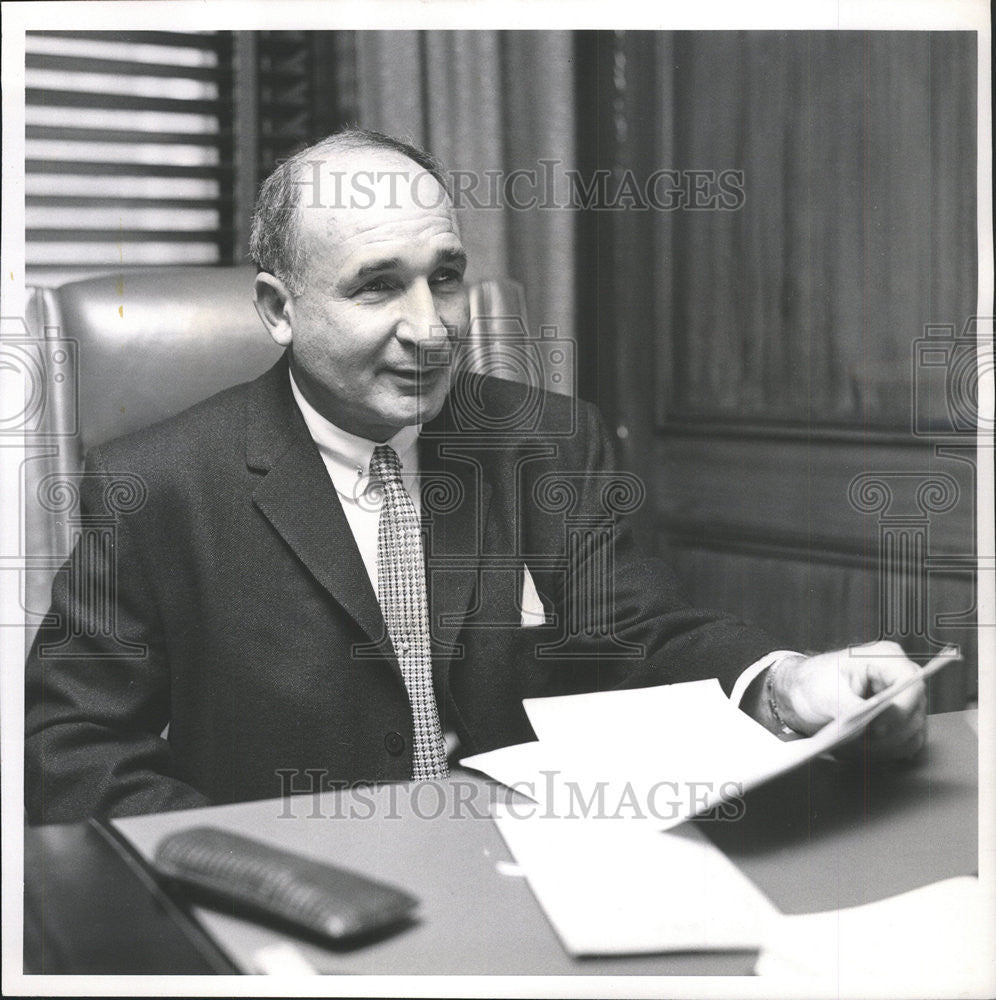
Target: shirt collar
(347, 456)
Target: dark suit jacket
(229, 600)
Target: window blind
(128, 148)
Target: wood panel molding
(811, 495)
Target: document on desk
(611, 888)
(661, 754)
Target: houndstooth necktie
(402, 596)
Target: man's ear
(275, 306)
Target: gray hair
(274, 243)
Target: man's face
(384, 295)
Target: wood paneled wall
(765, 379)
(856, 229)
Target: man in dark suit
(273, 604)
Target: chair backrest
(154, 342)
(120, 352)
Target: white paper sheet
(659, 755)
(610, 887)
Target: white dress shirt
(347, 458)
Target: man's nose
(421, 320)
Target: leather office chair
(112, 354)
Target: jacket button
(395, 743)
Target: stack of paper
(617, 888)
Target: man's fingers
(913, 700)
(838, 684)
(913, 745)
(879, 665)
(899, 730)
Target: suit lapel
(298, 499)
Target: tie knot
(385, 464)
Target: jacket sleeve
(625, 623)
(97, 678)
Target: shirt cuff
(754, 671)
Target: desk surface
(822, 837)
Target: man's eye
(447, 276)
(375, 285)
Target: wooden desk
(825, 836)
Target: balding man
(329, 573)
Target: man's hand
(810, 691)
